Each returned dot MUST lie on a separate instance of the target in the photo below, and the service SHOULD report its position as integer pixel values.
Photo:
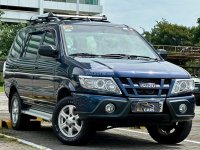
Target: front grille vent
(133, 87)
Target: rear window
(33, 46)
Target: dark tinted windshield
(103, 40)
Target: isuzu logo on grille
(147, 85)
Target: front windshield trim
(152, 49)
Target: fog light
(110, 108)
(182, 108)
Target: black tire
(162, 134)
(83, 136)
(198, 101)
(23, 121)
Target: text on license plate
(146, 107)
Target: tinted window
(49, 39)
(33, 45)
(16, 48)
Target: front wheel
(172, 134)
(67, 125)
(198, 101)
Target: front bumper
(92, 107)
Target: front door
(43, 82)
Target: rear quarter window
(16, 48)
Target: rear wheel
(19, 121)
(67, 125)
(173, 134)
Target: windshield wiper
(142, 57)
(116, 55)
(129, 56)
(84, 55)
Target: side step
(36, 113)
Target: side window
(32, 45)
(16, 48)
(49, 39)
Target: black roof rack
(50, 17)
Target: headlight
(106, 84)
(182, 86)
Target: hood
(131, 68)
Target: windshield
(105, 40)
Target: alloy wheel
(69, 122)
(15, 111)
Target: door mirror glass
(47, 50)
(162, 53)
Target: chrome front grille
(132, 87)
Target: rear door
(28, 64)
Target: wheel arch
(64, 89)
(63, 92)
(13, 89)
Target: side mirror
(47, 50)
(162, 53)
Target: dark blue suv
(85, 74)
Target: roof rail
(49, 17)
(104, 18)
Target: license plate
(146, 107)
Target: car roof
(78, 22)
(96, 23)
(59, 19)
